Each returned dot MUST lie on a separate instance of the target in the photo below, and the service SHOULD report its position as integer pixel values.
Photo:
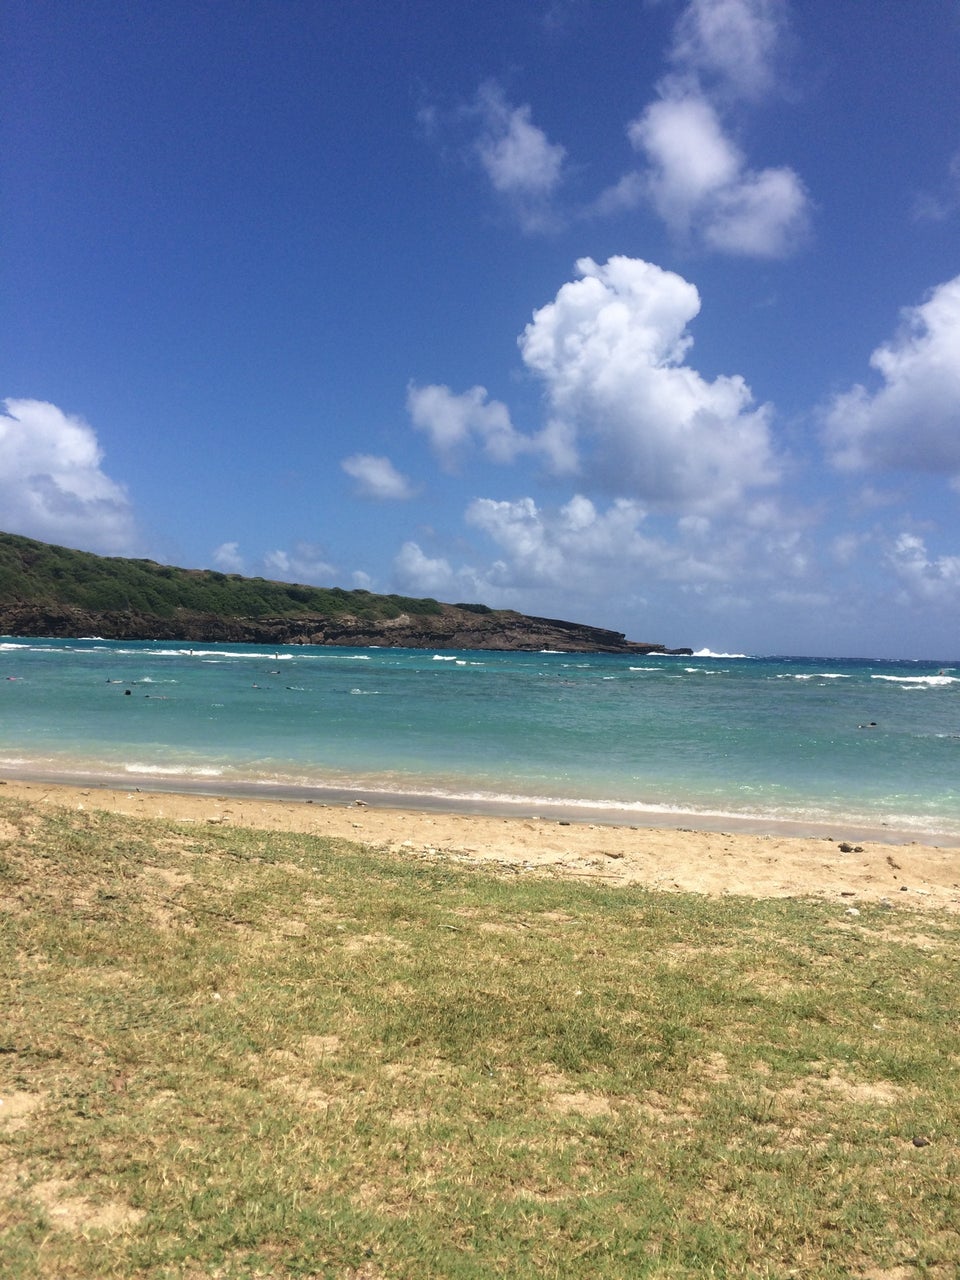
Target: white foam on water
(219, 654)
(708, 653)
(171, 771)
(812, 675)
(915, 682)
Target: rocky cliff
(451, 628)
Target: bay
(778, 742)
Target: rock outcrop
(452, 628)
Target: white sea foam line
(812, 675)
(914, 681)
(171, 770)
(41, 648)
(784, 813)
(708, 653)
(219, 654)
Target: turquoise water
(776, 740)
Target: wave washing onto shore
(773, 741)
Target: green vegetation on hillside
(38, 573)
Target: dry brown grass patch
(75, 1213)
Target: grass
(230, 1053)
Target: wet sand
(846, 868)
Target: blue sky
(645, 315)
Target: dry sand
(710, 862)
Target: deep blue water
(778, 739)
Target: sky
(645, 315)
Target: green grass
(234, 1053)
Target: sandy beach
(844, 868)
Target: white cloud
(377, 477)
(691, 158)
(452, 422)
(764, 215)
(305, 564)
(696, 178)
(417, 573)
(847, 546)
(582, 549)
(517, 157)
(52, 486)
(943, 204)
(932, 581)
(912, 422)
(699, 183)
(228, 558)
(634, 418)
(628, 193)
(523, 166)
(578, 547)
(733, 41)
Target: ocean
(772, 743)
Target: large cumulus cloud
(635, 417)
(52, 485)
(912, 420)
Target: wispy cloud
(943, 203)
(227, 557)
(453, 423)
(305, 563)
(524, 168)
(376, 477)
(730, 44)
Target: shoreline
(635, 816)
(712, 860)
(664, 817)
